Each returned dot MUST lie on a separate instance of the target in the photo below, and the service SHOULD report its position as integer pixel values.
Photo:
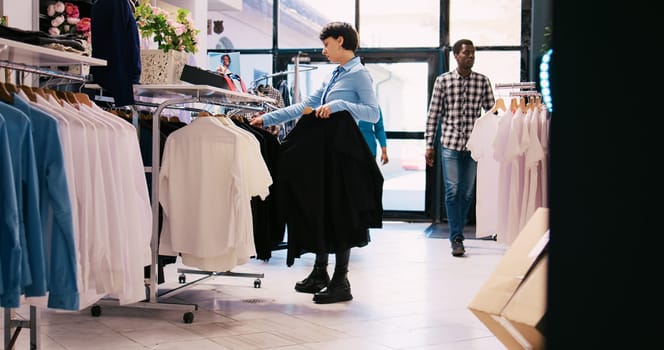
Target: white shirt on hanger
(480, 144)
(205, 197)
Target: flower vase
(148, 43)
(159, 67)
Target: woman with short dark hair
(349, 90)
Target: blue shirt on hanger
(55, 209)
(19, 129)
(10, 245)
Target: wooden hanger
(39, 91)
(52, 93)
(513, 104)
(28, 91)
(500, 104)
(204, 114)
(531, 102)
(11, 88)
(5, 95)
(83, 98)
(67, 96)
(522, 104)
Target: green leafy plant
(168, 31)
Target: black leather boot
(317, 280)
(337, 290)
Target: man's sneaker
(457, 248)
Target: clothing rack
(36, 59)
(179, 95)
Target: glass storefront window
(404, 177)
(245, 24)
(401, 89)
(486, 22)
(499, 66)
(411, 23)
(300, 22)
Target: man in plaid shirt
(457, 101)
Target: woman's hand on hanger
(256, 121)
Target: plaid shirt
(457, 102)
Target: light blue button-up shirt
(352, 91)
(55, 208)
(373, 132)
(10, 244)
(19, 130)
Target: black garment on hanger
(269, 228)
(145, 142)
(330, 186)
(115, 39)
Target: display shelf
(33, 55)
(199, 92)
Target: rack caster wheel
(95, 311)
(188, 317)
(182, 279)
(257, 283)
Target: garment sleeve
(379, 131)
(10, 246)
(436, 111)
(367, 107)
(62, 283)
(31, 218)
(293, 111)
(489, 99)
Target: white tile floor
(409, 293)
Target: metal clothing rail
(44, 71)
(35, 59)
(521, 85)
(525, 93)
(301, 68)
(177, 94)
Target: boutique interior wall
(23, 16)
